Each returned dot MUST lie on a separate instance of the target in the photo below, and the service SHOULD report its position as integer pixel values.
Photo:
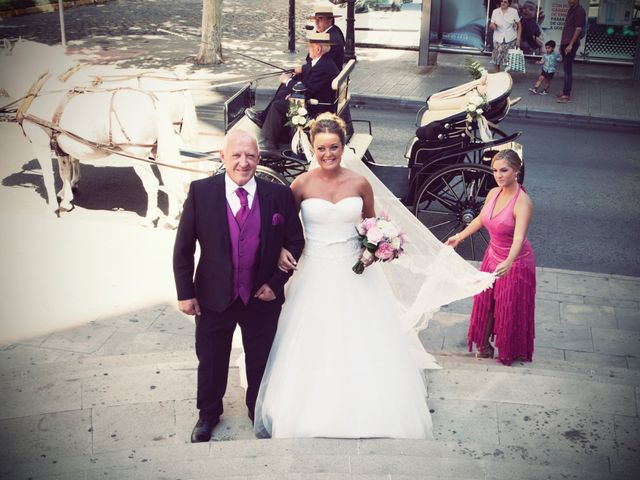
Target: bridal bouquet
(381, 240)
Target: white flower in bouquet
(479, 111)
(299, 120)
(303, 111)
(388, 229)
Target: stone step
(328, 458)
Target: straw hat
(317, 37)
(323, 11)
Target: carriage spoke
(446, 183)
(441, 224)
(450, 232)
(473, 251)
(445, 202)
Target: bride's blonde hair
(328, 122)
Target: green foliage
(474, 67)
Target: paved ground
(113, 394)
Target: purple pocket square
(277, 219)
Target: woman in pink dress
(504, 313)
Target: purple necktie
(243, 213)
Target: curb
(386, 102)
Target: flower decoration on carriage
(381, 240)
(475, 68)
(298, 117)
(476, 108)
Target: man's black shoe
(255, 116)
(203, 429)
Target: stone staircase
(115, 399)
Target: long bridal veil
(429, 274)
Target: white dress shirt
(505, 29)
(230, 188)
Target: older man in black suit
(316, 75)
(241, 223)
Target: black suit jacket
(204, 220)
(317, 80)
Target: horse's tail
(189, 130)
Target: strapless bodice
(330, 228)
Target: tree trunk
(211, 41)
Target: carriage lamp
(297, 96)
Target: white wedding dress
(342, 363)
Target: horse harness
(54, 130)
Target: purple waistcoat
(245, 244)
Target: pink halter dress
(512, 297)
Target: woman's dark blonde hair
(328, 123)
(509, 156)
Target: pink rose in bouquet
(380, 239)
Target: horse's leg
(42, 151)
(150, 184)
(175, 183)
(75, 174)
(66, 193)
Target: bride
(345, 361)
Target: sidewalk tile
(547, 311)
(559, 297)
(564, 336)
(546, 281)
(561, 429)
(174, 322)
(634, 364)
(132, 426)
(415, 466)
(82, 339)
(588, 358)
(547, 353)
(23, 356)
(39, 396)
(134, 321)
(464, 420)
(590, 315)
(49, 437)
(627, 430)
(145, 384)
(628, 318)
(546, 391)
(620, 342)
(625, 289)
(583, 285)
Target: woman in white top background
(505, 23)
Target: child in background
(549, 62)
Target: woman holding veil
(346, 361)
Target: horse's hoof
(148, 223)
(169, 225)
(66, 208)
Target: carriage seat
(340, 86)
(453, 102)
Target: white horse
(120, 127)
(167, 88)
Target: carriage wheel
(450, 199)
(264, 173)
(270, 175)
(288, 167)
